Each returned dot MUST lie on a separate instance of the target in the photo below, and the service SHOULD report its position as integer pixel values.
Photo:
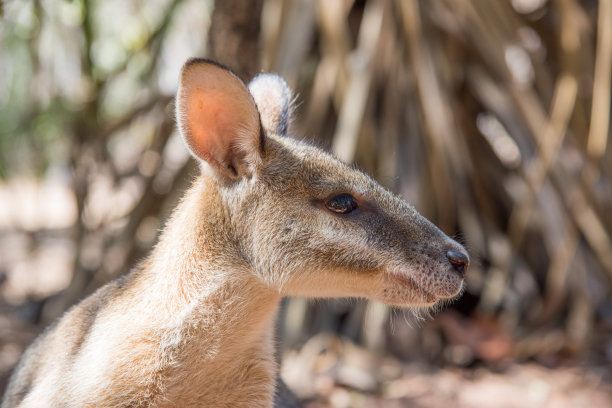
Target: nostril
(459, 260)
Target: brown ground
(344, 375)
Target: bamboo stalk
(354, 102)
(600, 110)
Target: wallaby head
(304, 222)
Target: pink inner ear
(209, 119)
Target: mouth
(414, 288)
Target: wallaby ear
(273, 99)
(218, 118)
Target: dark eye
(342, 204)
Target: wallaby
(269, 216)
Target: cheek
(341, 244)
(308, 239)
(340, 230)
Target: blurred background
(491, 117)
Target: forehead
(301, 163)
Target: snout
(445, 270)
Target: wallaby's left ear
(273, 99)
(218, 119)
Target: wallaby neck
(218, 315)
(199, 253)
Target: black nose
(459, 260)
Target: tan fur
(192, 325)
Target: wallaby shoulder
(50, 360)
